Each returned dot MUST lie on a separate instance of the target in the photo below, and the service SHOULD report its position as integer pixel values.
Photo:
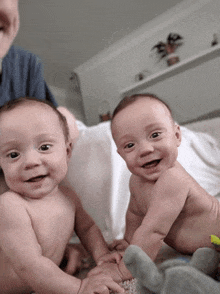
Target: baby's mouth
(37, 179)
(151, 164)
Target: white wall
(67, 33)
(107, 74)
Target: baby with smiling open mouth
(166, 203)
(39, 216)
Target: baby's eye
(45, 147)
(155, 135)
(129, 145)
(13, 155)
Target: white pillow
(100, 178)
(199, 154)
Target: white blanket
(100, 177)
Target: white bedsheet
(100, 177)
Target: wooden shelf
(182, 66)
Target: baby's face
(146, 138)
(9, 24)
(33, 151)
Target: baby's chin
(147, 176)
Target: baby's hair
(131, 99)
(28, 100)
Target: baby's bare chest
(53, 224)
(142, 196)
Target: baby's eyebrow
(124, 139)
(9, 143)
(155, 126)
(4, 148)
(46, 136)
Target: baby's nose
(32, 159)
(145, 148)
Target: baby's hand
(100, 284)
(114, 257)
(73, 256)
(108, 269)
(120, 244)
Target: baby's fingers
(117, 257)
(116, 288)
(113, 245)
(114, 257)
(99, 284)
(118, 245)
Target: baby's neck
(29, 197)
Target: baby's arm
(119, 272)
(169, 195)
(133, 221)
(19, 243)
(89, 233)
(148, 232)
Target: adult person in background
(21, 72)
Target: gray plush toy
(174, 276)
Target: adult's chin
(4, 49)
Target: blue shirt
(22, 76)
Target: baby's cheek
(9, 174)
(59, 166)
(3, 185)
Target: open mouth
(151, 164)
(36, 179)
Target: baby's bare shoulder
(13, 210)
(69, 193)
(175, 179)
(10, 198)
(177, 173)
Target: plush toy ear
(205, 260)
(143, 269)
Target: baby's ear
(119, 152)
(71, 122)
(69, 149)
(178, 134)
(74, 132)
